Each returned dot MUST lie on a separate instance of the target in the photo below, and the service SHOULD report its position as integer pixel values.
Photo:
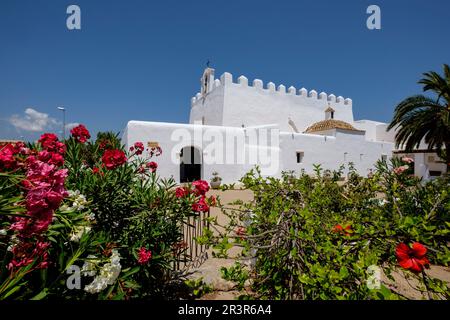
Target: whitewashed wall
(253, 104)
(318, 149)
(331, 151)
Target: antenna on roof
(207, 63)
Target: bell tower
(207, 81)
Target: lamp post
(64, 121)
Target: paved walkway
(210, 269)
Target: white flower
(107, 276)
(64, 207)
(73, 193)
(13, 242)
(3, 232)
(79, 203)
(90, 217)
(79, 232)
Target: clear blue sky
(142, 60)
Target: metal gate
(191, 253)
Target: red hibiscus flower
(144, 256)
(80, 133)
(201, 187)
(200, 205)
(113, 159)
(181, 192)
(347, 231)
(412, 258)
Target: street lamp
(64, 121)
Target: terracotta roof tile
(330, 124)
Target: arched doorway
(190, 164)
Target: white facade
(310, 128)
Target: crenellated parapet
(226, 79)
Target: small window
(384, 157)
(300, 155)
(332, 114)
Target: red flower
(144, 256)
(51, 158)
(47, 140)
(155, 151)
(26, 252)
(50, 143)
(139, 147)
(201, 205)
(412, 258)
(7, 159)
(347, 231)
(104, 144)
(80, 133)
(113, 159)
(152, 166)
(181, 192)
(201, 187)
(240, 231)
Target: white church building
(235, 125)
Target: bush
(85, 219)
(319, 238)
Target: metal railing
(190, 253)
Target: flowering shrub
(315, 237)
(89, 205)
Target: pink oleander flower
(7, 159)
(144, 256)
(51, 158)
(401, 169)
(407, 160)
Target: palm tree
(424, 118)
